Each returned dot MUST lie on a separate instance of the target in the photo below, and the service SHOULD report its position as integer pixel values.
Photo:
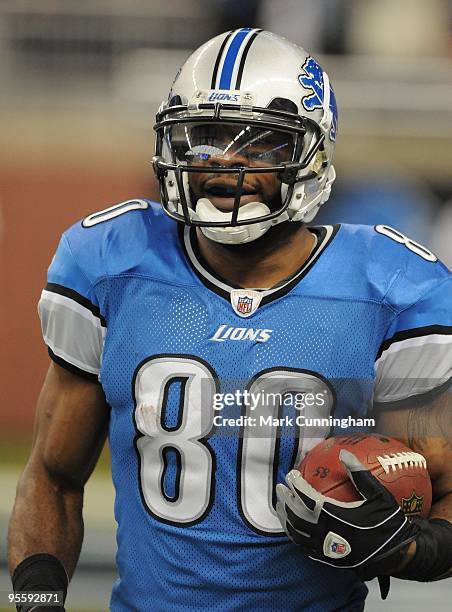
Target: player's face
(216, 145)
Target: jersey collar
(325, 234)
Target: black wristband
(42, 573)
(433, 557)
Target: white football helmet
(246, 102)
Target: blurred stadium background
(80, 83)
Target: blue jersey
(216, 392)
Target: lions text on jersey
(130, 303)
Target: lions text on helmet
(246, 137)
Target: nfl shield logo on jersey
(245, 301)
(244, 304)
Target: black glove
(365, 535)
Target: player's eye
(194, 143)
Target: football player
(151, 319)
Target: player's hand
(365, 535)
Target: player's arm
(427, 429)
(414, 362)
(70, 430)
(377, 539)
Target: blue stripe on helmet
(231, 56)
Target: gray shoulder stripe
(416, 342)
(412, 368)
(51, 300)
(72, 332)
(59, 352)
(415, 332)
(56, 289)
(72, 367)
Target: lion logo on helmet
(313, 79)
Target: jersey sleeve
(72, 324)
(414, 361)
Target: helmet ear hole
(283, 104)
(175, 101)
(319, 163)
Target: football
(401, 470)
